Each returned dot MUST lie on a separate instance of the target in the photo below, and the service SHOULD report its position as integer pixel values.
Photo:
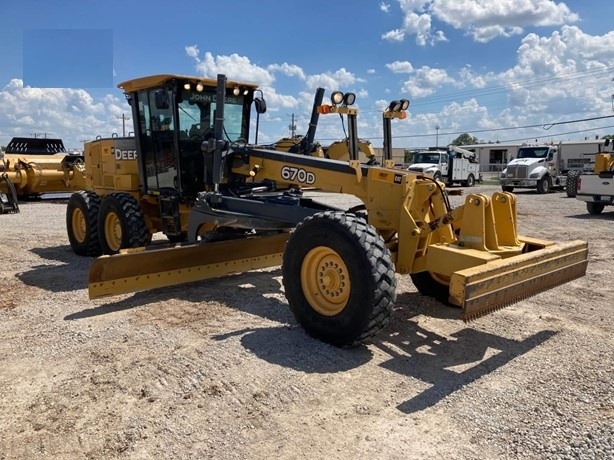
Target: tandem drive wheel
(121, 223)
(339, 278)
(82, 223)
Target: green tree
(465, 139)
(409, 156)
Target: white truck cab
(535, 166)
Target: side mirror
(162, 102)
(260, 105)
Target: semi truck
(454, 165)
(546, 167)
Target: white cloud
(483, 20)
(341, 79)
(396, 35)
(70, 114)
(426, 81)
(385, 7)
(561, 73)
(192, 51)
(235, 67)
(290, 70)
(400, 67)
(562, 76)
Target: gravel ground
(220, 369)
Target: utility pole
(292, 126)
(123, 119)
(437, 136)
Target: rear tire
(470, 182)
(594, 208)
(507, 188)
(571, 186)
(339, 278)
(121, 224)
(82, 223)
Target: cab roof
(154, 81)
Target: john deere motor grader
(242, 208)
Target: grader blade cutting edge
(485, 288)
(148, 269)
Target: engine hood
(422, 167)
(526, 161)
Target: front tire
(82, 223)
(594, 208)
(544, 185)
(121, 224)
(339, 278)
(507, 188)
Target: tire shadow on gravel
(447, 362)
(605, 216)
(69, 275)
(291, 347)
(249, 292)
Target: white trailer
(455, 165)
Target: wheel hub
(113, 231)
(79, 226)
(325, 281)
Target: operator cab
(175, 115)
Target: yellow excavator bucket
(484, 288)
(144, 269)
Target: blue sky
(497, 69)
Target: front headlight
(534, 175)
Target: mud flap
(485, 288)
(154, 268)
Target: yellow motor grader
(31, 167)
(190, 173)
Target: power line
(546, 126)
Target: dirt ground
(221, 370)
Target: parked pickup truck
(597, 188)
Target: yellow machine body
(474, 251)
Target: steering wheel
(196, 132)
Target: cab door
(157, 139)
